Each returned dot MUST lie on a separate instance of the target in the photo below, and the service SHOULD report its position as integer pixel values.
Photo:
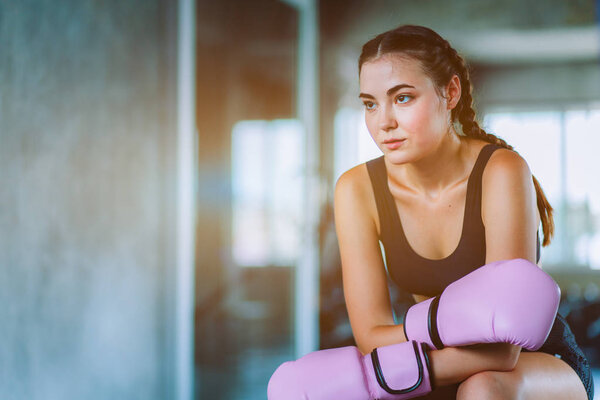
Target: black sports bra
(409, 270)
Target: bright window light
(560, 148)
(267, 178)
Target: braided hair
(441, 62)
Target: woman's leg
(537, 376)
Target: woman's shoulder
(502, 163)
(507, 184)
(354, 194)
(354, 181)
(505, 165)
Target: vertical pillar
(186, 165)
(307, 101)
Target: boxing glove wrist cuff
(420, 323)
(402, 370)
(432, 327)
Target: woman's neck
(435, 173)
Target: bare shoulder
(354, 186)
(508, 207)
(354, 198)
(353, 181)
(506, 166)
(506, 180)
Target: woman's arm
(511, 218)
(508, 208)
(364, 276)
(455, 364)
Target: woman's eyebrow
(389, 92)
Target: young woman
(445, 198)
(457, 212)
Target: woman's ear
(453, 92)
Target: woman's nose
(387, 119)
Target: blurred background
(168, 167)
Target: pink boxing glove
(395, 372)
(510, 301)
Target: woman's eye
(369, 105)
(402, 99)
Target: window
(267, 178)
(560, 148)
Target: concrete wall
(553, 85)
(87, 156)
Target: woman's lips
(393, 144)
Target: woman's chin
(396, 157)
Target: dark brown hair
(441, 62)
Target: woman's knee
(489, 385)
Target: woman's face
(405, 116)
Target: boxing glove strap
(434, 334)
(404, 324)
(381, 379)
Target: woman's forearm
(452, 364)
(455, 364)
(380, 336)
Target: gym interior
(168, 171)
